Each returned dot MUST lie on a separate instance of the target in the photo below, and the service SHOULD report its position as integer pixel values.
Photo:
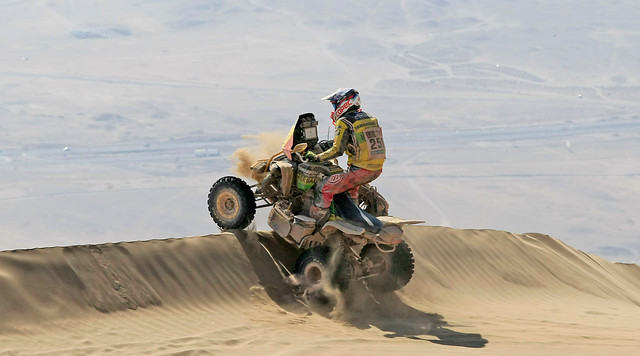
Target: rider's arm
(340, 141)
(323, 146)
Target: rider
(359, 135)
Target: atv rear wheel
(232, 204)
(319, 274)
(389, 271)
(319, 266)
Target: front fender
(286, 174)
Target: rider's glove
(311, 156)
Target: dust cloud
(260, 146)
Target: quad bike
(359, 242)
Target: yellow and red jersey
(360, 136)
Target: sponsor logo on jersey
(334, 179)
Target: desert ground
(474, 292)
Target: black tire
(314, 266)
(232, 204)
(391, 270)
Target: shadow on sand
(272, 258)
(389, 313)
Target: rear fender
(392, 220)
(391, 234)
(342, 226)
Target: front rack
(261, 198)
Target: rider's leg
(348, 181)
(330, 186)
(362, 177)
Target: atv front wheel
(389, 271)
(232, 204)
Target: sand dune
(474, 291)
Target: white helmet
(343, 100)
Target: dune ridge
(500, 264)
(496, 284)
(72, 281)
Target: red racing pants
(348, 181)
